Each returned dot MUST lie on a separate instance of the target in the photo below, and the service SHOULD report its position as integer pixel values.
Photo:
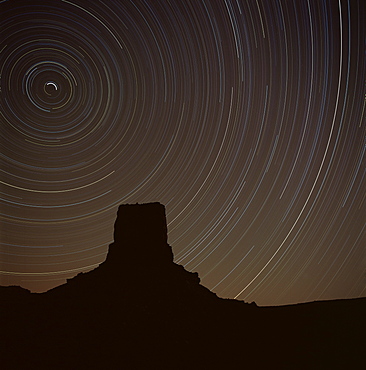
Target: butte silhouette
(140, 310)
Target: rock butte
(140, 310)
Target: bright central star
(53, 84)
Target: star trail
(246, 119)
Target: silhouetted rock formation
(140, 310)
(140, 237)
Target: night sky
(246, 119)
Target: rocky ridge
(140, 310)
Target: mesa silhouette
(140, 310)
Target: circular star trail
(244, 118)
